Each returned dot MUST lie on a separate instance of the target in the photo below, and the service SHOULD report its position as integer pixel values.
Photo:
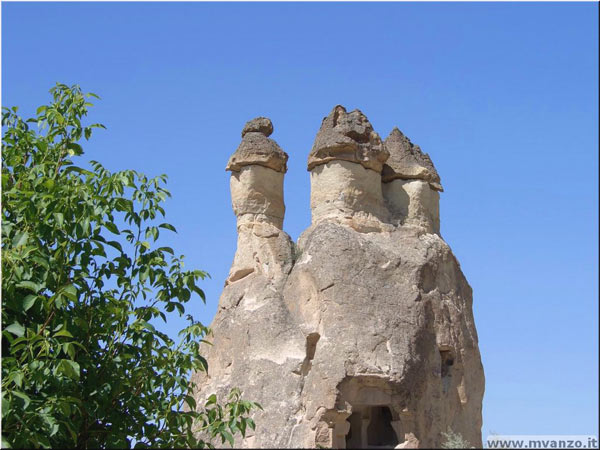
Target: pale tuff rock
(346, 192)
(257, 170)
(354, 337)
(411, 184)
(407, 161)
(257, 195)
(413, 203)
(345, 164)
(257, 149)
(262, 249)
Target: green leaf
(24, 397)
(28, 301)
(26, 284)
(74, 149)
(5, 406)
(211, 400)
(20, 238)
(228, 436)
(191, 402)
(43, 262)
(59, 218)
(116, 245)
(69, 349)
(144, 273)
(167, 226)
(17, 378)
(64, 333)
(16, 329)
(49, 183)
(122, 204)
(111, 227)
(70, 292)
(69, 368)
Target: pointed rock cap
(407, 161)
(348, 137)
(257, 149)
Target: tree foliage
(83, 277)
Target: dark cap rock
(407, 161)
(348, 137)
(262, 125)
(257, 149)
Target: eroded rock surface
(350, 137)
(257, 149)
(411, 184)
(345, 164)
(261, 125)
(356, 336)
(407, 161)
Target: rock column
(345, 167)
(257, 170)
(411, 185)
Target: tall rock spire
(257, 169)
(411, 185)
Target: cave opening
(371, 427)
(380, 432)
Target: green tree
(82, 278)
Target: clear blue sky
(503, 96)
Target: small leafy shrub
(454, 440)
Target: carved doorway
(372, 427)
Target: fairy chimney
(411, 185)
(361, 334)
(257, 169)
(345, 166)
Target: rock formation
(257, 169)
(361, 334)
(411, 184)
(345, 166)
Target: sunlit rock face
(361, 334)
(411, 185)
(345, 166)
